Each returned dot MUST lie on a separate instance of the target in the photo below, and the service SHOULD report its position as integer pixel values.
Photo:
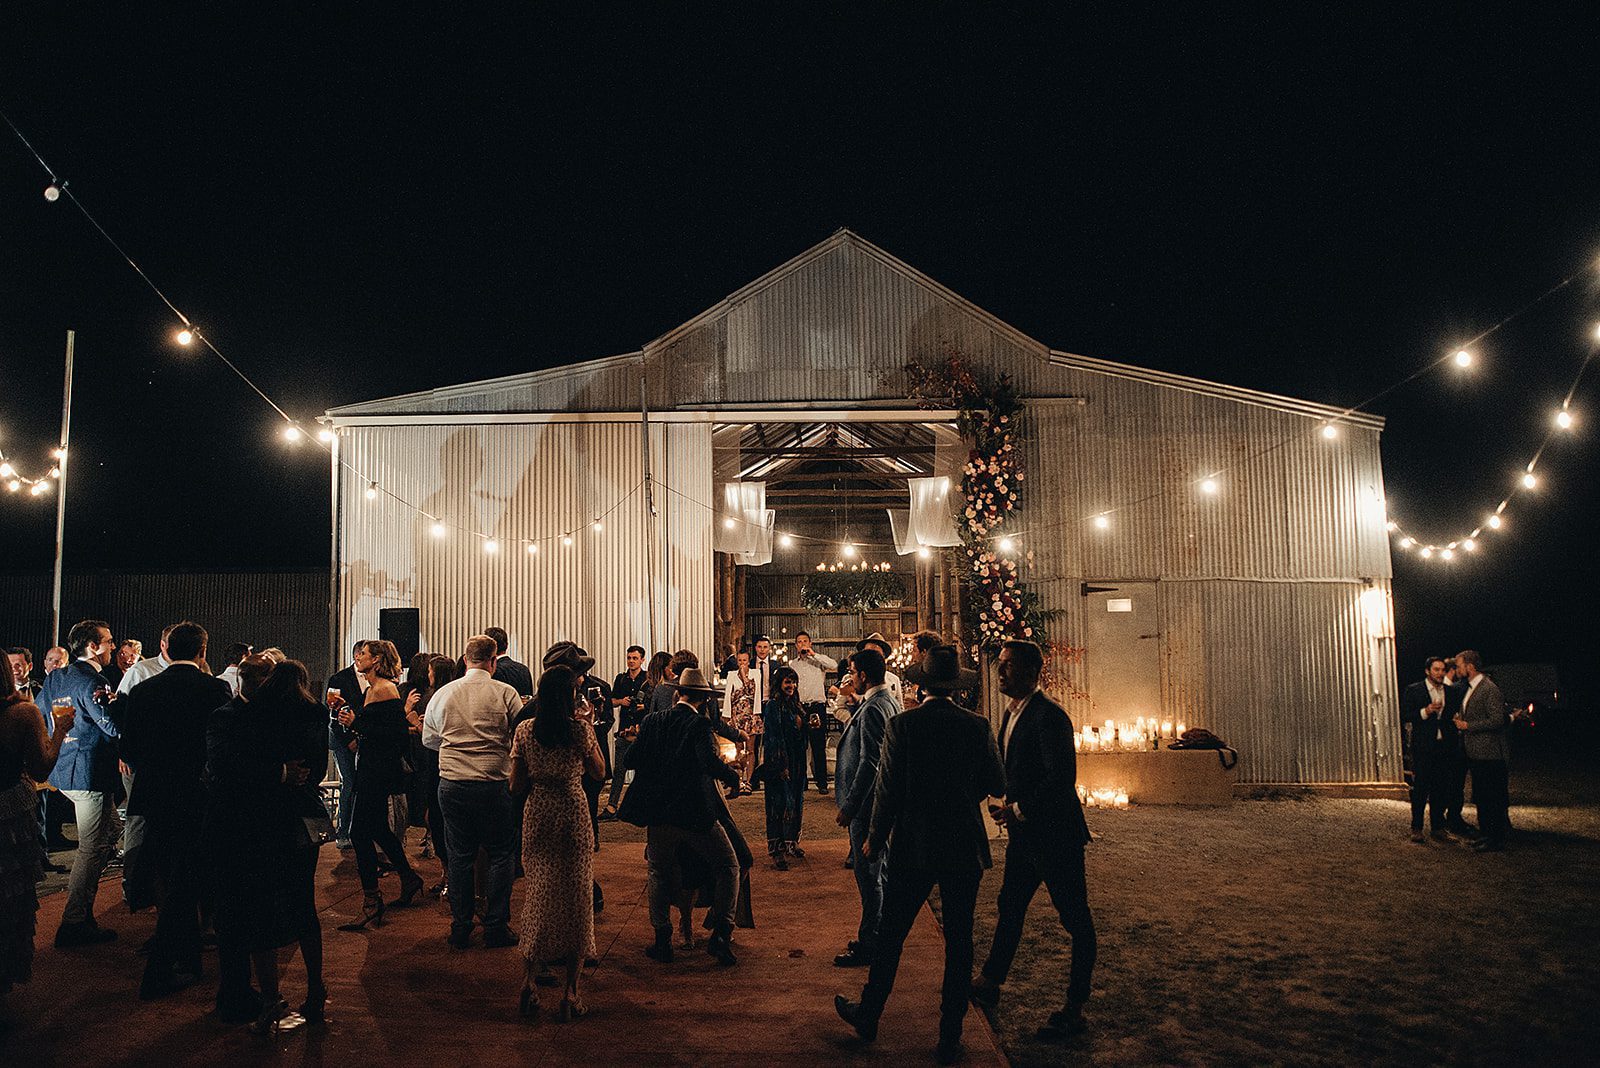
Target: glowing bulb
(1463, 358)
(1448, 554)
(533, 548)
(1427, 553)
(566, 540)
(1330, 431)
(55, 472)
(59, 453)
(325, 436)
(1102, 521)
(1529, 481)
(1005, 544)
(849, 551)
(1209, 486)
(1564, 419)
(924, 553)
(6, 470)
(372, 491)
(13, 485)
(491, 546)
(598, 526)
(52, 192)
(184, 336)
(785, 541)
(437, 530)
(1406, 543)
(1391, 526)
(1597, 331)
(1494, 522)
(728, 522)
(1470, 545)
(291, 434)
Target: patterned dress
(743, 713)
(557, 848)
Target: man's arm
(1492, 710)
(992, 771)
(828, 663)
(872, 731)
(705, 748)
(1060, 762)
(97, 715)
(433, 722)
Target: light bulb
(52, 192)
(6, 470)
(1597, 331)
(291, 434)
(1494, 522)
(533, 548)
(1406, 543)
(785, 541)
(1006, 544)
(1448, 554)
(1463, 358)
(184, 336)
(566, 540)
(1209, 486)
(372, 491)
(491, 546)
(1391, 526)
(598, 526)
(1330, 431)
(1529, 481)
(437, 530)
(1102, 521)
(728, 522)
(924, 552)
(59, 453)
(325, 436)
(13, 485)
(848, 550)
(1427, 552)
(1470, 545)
(1564, 419)
(55, 472)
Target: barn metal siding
(288, 609)
(521, 483)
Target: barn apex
(1204, 552)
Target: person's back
(164, 737)
(474, 717)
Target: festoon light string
(1208, 485)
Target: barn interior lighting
(1564, 419)
(785, 541)
(1006, 545)
(1209, 487)
(372, 491)
(848, 551)
(1529, 481)
(291, 434)
(1102, 521)
(184, 336)
(924, 552)
(1494, 522)
(52, 192)
(1330, 431)
(1463, 358)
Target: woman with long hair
(551, 753)
(383, 739)
(27, 756)
(434, 672)
(744, 715)
(785, 766)
(266, 751)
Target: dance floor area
(399, 995)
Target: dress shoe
(459, 939)
(854, 957)
(1459, 826)
(499, 938)
(717, 945)
(50, 867)
(86, 933)
(949, 1051)
(780, 862)
(985, 995)
(1062, 1025)
(851, 1013)
(661, 949)
(1442, 836)
(1488, 845)
(1418, 837)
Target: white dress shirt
(812, 670)
(469, 722)
(148, 668)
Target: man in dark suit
(164, 741)
(1485, 738)
(86, 773)
(1427, 712)
(346, 688)
(857, 765)
(511, 672)
(1047, 833)
(939, 762)
(1452, 765)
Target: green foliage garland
(851, 591)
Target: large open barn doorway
(829, 484)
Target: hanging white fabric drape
(762, 554)
(932, 523)
(900, 525)
(743, 517)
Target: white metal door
(1122, 650)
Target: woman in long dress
(744, 715)
(785, 767)
(551, 752)
(27, 756)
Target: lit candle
(1166, 728)
(1181, 729)
(1077, 742)
(1122, 799)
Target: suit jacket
(514, 674)
(348, 683)
(860, 746)
(1433, 732)
(164, 739)
(674, 755)
(939, 762)
(88, 759)
(1486, 735)
(1042, 776)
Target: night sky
(359, 204)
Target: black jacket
(513, 674)
(1042, 776)
(939, 762)
(1430, 731)
(676, 752)
(348, 683)
(164, 738)
(383, 740)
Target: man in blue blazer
(86, 773)
(1046, 835)
(856, 775)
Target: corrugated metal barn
(1261, 612)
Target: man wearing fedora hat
(675, 753)
(939, 763)
(877, 641)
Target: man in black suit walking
(1427, 714)
(346, 687)
(164, 741)
(939, 762)
(1047, 833)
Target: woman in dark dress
(265, 752)
(785, 767)
(383, 738)
(424, 680)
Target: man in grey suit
(1485, 737)
(939, 763)
(856, 770)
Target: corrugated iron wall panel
(516, 483)
(288, 609)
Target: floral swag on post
(1000, 606)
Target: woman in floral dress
(550, 753)
(744, 715)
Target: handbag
(318, 830)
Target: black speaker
(403, 626)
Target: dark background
(356, 202)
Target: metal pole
(649, 509)
(61, 495)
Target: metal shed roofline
(546, 374)
(1293, 405)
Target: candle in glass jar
(1166, 728)
(1122, 799)
(1181, 729)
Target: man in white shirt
(230, 674)
(469, 722)
(812, 668)
(148, 668)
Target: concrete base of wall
(1288, 791)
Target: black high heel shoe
(271, 1017)
(312, 1009)
(371, 914)
(410, 886)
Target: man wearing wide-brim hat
(939, 762)
(675, 753)
(877, 641)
